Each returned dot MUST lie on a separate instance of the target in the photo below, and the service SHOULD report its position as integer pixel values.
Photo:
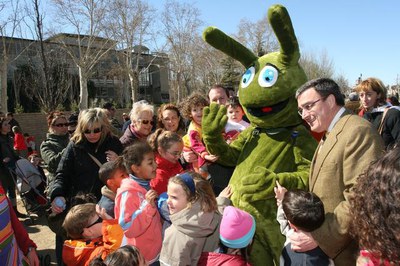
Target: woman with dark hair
(8, 157)
(55, 143)
(375, 212)
(169, 118)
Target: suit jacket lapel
(323, 152)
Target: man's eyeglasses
(99, 220)
(308, 107)
(94, 131)
(61, 125)
(145, 122)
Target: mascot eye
(247, 77)
(268, 76)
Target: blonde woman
(91, 145)
(141, 123)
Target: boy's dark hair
(108, 169)
(134, 155)
(244, 252)
(233, 102)
(126, 255)
(303, 209)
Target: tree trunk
(3, 87)
(83, 94)
(133, 84)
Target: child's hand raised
(226, 193)
(102, 213)
(279, 193)
(151, 196)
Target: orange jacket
(81, 252)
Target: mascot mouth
(267, 110)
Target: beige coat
(191, 233)
(347, 151)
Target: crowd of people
(159, 197)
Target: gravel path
(40, 233)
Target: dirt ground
(40, 233)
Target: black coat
(391, 125)
(77, 171)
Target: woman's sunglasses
(145, 122)
(61, 125)
(94, 131)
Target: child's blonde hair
(163, 139)
(194, 100)
(78, 218)
(203, 191)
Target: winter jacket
(19, 142)
(191, 233)
(391, 124)
(107, 200)
(165, 170)
(220, 259)
(51, 150)
(140, 221)
(193, 141)
(6, 150)
(130, 137)
(77, 171)
(82, 252)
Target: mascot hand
(214, 120)
(258, 186)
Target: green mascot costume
(276, 147)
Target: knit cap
(237, 228)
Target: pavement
(40, 233)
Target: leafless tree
(129, 23)
(180, 28)
(317, 65)
(86, 47)
(11, 16)
(50, 83)
(257, 36)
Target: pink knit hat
(237, 228)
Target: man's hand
(302, 241)
(189, 156)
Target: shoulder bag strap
(380, 129)
(95, 160)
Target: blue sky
(361, 37)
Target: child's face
(93, 230)
(173, 153)
(35, 161)
(196, 114)
(235, 114)
(114, 182)
(147, 169)
(177, 198)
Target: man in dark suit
(350, 144)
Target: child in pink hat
(236, 234)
